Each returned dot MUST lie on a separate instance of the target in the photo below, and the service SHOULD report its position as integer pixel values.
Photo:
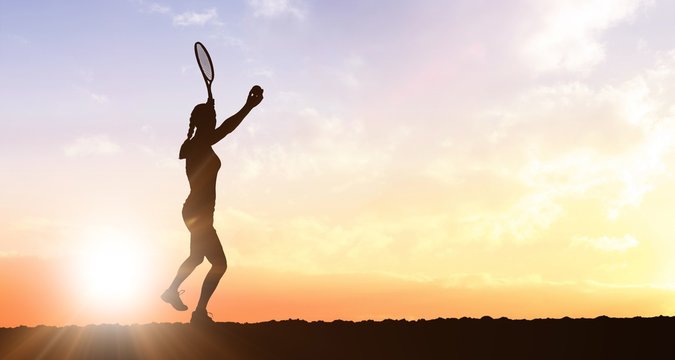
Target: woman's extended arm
(255, 96)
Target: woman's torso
(202, 165)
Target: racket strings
(204, 62)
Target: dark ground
(599, 338)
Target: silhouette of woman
(202, 166)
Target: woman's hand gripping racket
(205, 65)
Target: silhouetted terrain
(464, 338)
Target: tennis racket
(205, 65)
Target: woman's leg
(197, 225)
(171, 295)
(185, 269)
(214, 253)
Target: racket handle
(208, 89)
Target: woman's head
(203, 117)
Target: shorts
(196, 218)
(203, 237)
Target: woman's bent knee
(195, 260)
(219, 265)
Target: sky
(411, 159)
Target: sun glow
(111, 269)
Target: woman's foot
(201, 317)
(173, 297)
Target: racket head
(204, 61)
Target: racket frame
(213, 73)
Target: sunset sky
(411, 159)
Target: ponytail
(191, 130)
(182, 154)
(197, 114)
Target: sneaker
(173, 297)
(201, 317)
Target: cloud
(567, 35)
(191, 18)
(265, 72)
(230, 41)
(91, 145)
(312, 243)
(99, 98)
(188, 69)
(510, 180)
(578, 137)
(152, 7)
(349, 74)
(187, 18)
(569, 150)
(518, 224)
(276, 8)
(158, 8)
(607, 243)
(17, 39)
(317, 146)
(161, 157)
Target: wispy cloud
(99, 98)
(158, 8)
(17, 39)
(91, 145)
(568, 35)
(324, 146)
(152, 7)
(264, 72)
(276, 8)
(161, 157)
(186, 18)
(229, 40)
(607, 243)
(192, 18)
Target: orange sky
(249, 295)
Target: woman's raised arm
(254, 98)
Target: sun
(111, 269)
